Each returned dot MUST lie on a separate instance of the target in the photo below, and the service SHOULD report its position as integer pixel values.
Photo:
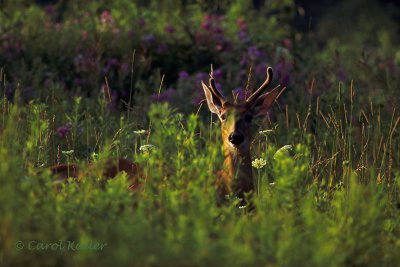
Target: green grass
(332, 201)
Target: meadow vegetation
(88, 80)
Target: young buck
(236, 132)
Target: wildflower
(50, 10)
(140, 132)
(206, 23)
(146, 148)
(201, 76)
(162, 48)
(169, 29)
(148, 39)
(258, 163)
(64, 130)
(282, 70)
(164, 96)
(254, 53)
(243, 36)
(217, 74)
(67, 152)
(183, 75)
(218, 30)
(238, 94)
(266, 132)
(106, 17)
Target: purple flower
(254, 53)
(169, 29)
(50, 10)
(217, 74)
(202, 76)
(206, 24)
(218, 86)
(64, 130)
(218, 30)
(238, 94)
(163, 96)
(162, 48)
(282, 71)
(110, 64)
(243, 36)
(106, 17)
(148, 40)
(183, 74)
(113, 62)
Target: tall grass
(331, 201)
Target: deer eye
(222, 117)
(248, 118)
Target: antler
(260, 90)
(214, 89)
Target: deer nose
(236, 138)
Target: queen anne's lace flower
(258, 163)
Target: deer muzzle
(236, 138)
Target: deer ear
(264, 102)
(213, 101)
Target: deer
(111, 169)
(236, 119)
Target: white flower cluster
(266, 132)
(144, 148)
(258, 163)
(139, 132)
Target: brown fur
(111, 169)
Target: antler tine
(215, 90)
(262, 87)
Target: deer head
(236, 122)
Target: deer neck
(238, 165)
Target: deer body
(236, 132)
(111, 169)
